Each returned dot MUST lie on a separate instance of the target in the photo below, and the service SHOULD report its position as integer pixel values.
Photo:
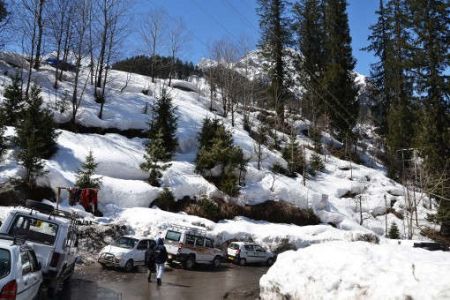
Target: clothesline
(87, 197)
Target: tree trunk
(37, 61)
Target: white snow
(358, 270)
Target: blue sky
(209, 20)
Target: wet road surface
(228, 282)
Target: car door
(24, 277)
(200, 250)
(139, 255)
(260, 254)
(249, 253)
(209, 249)
(35, 278)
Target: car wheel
(216, 262)
(129, 266)
(189, 263)
(269, 262)
(242, 261)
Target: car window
(208, 243)
(248, 247)
(190, 239)
(152, 244)
(173, 235)
(234, 246)
(33, 260)
(5, 263)
(34, 230)
(259, 249)
(199, 241)
(26, 263)
(143, 245)
(125, 242)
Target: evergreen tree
(276, 36)
(3, 11)
(293, 154)
(430, 24)
(164, 123)
(85, 176)
(338, 79)
(218, 160)
(2, 137)
(380, 73)
(394, 233)
(316, 164)
(36, 136)
(154, 157)
(310, 41)
(13, 104)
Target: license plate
(230, 257)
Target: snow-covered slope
(124, 183)
(358, 270)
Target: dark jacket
(150, 258)
(160, 252)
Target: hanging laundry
(85, 199)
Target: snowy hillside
(124, 183)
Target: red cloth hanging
(85, 199)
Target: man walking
(150, 261)
(160, 259)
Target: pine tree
(394, 233)
(430, 24)
(338, 79)
(293, 154)
(36, 136)
(310, 41)
(276, 36)
(164, 123)
(85, 176)
(316, 164)
(381, 46)
(13, 103)
(3, 11)
(2, 137)
(218, 160)
(154, 157)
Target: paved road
(229, 282)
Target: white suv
(52, 234)
(126, 252)
(243, 253)
(20, 272)
(190, 246)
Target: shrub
(165, 200)
(279, 169)
(316, 164)
(394, 233)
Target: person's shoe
(158, 281)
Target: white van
(190, 246)
(53, 236)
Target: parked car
(189, 246)
(431, 246)
(20, 272)
(244, 253)
(52, 234)
(126, 252)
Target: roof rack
(194, 230)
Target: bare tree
(152, 29)
(59, 15)
(40, 32)
(178, 38)
(81, 25)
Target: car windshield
(35, 230)
(125, 242)
(5, 263)
(173, 236)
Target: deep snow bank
(358, 270)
